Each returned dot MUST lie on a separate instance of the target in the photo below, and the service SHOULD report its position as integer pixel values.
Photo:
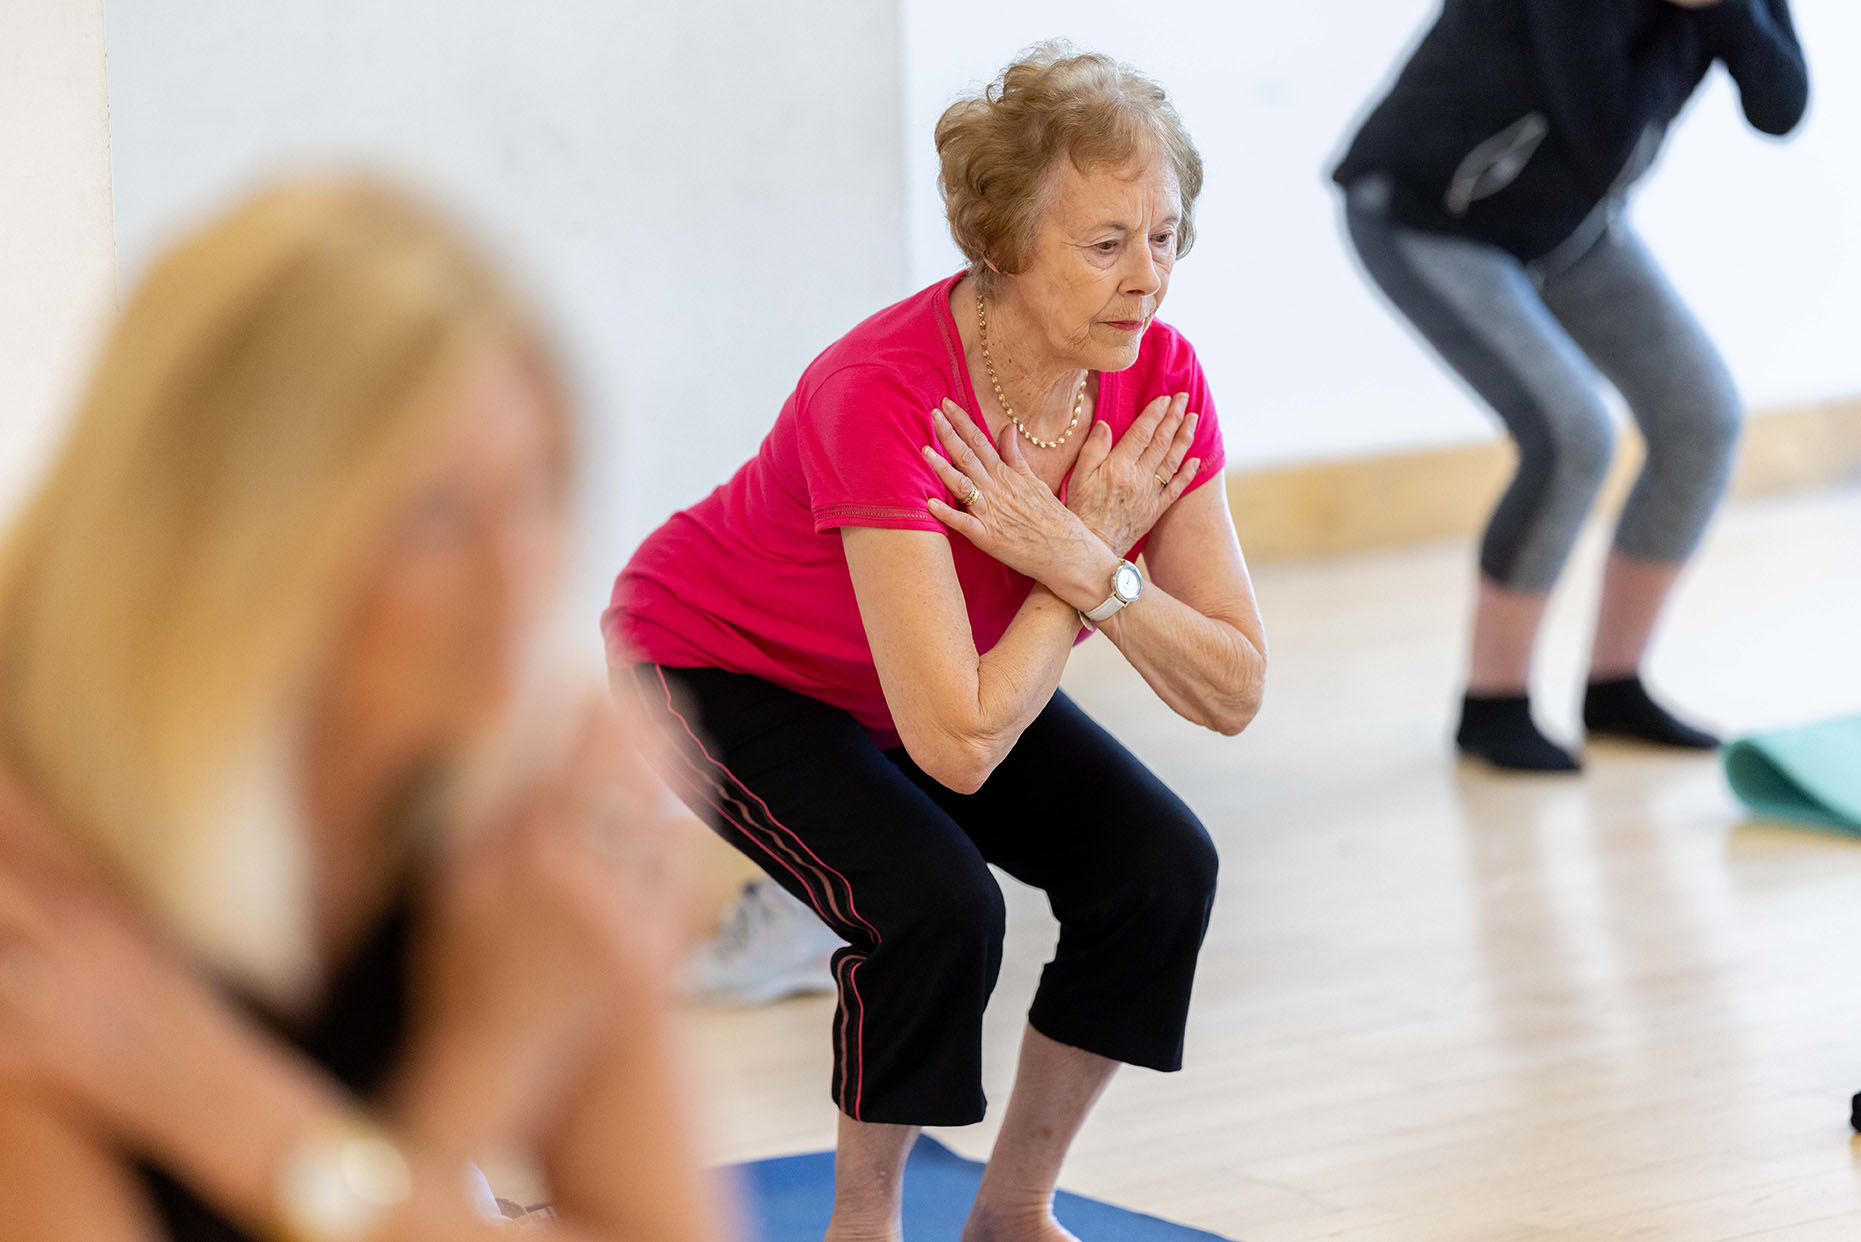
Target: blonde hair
(252, 421)
(998, 148)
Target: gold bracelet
(341, 1177)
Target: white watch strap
(1117, 599)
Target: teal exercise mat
(789, 1200)
(1809, 775)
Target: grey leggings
(1529, 339)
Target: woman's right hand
(556, 929)
(1015, 517)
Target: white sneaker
(769, 946)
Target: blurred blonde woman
(265, 967)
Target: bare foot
(990, 1225)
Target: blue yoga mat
(1809, 775)
(789, 1200)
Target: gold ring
(975, 494)
(1161, 481)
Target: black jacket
(1515, 119)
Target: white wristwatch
(1126, 585)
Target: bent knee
(1580, 448)
(1717, 426)
(963, 911)
(1197, 863)
(1175, 880)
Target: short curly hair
(998, 148)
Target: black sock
(1499, 729)
(1622, 708)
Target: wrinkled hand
(1015, 517)
(550, 933)
(1120, 490)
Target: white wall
(705, 193)
(1306, 362)
(55, 251)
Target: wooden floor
(1438, 1004)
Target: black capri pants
(897, 864)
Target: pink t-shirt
(753, 578)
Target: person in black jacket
(1485, 196)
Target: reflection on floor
(1439, 1004)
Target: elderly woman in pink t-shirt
(858, 639)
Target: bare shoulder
(58, 1182)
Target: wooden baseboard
(1361, 504)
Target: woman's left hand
(1013, 516)
(555, 930)
(1120, 490)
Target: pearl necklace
(1079, 399)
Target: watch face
(1127, 583)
